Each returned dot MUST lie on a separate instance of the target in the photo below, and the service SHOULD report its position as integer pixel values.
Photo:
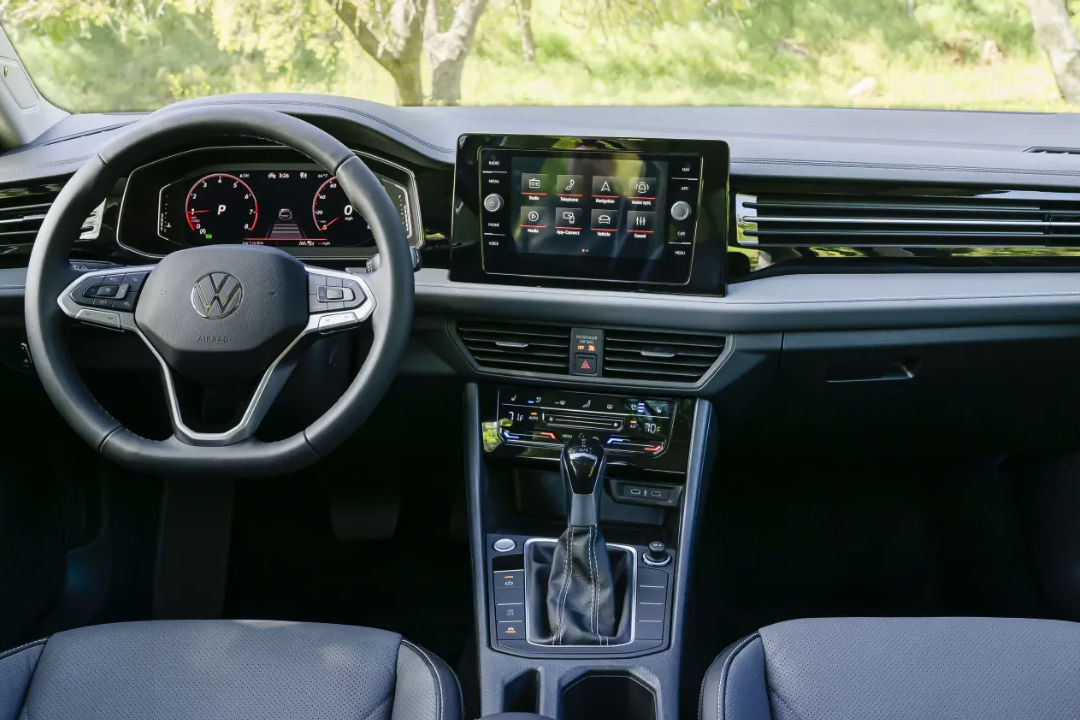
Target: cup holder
(608, 696)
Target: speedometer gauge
(221, 208)
(335, 217)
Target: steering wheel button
(99, 317)
(328, 323)
(106, 291)
(327, 294)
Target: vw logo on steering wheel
(216, 295)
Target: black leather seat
(899, 669)
(225, 669)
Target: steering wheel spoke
(337, 300)
(105, 298)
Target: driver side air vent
(23, 208)
(515, 346)
(968, 219)
(660, 356)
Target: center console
(582, 507)
(582, 504)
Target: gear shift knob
(583, 463)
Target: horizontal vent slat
(660, 356)
(991, 219)
(23, 209)
(517, 347)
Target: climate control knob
(680, 210)
(493, 202)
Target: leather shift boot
(581, 592)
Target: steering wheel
(218, 316)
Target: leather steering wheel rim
(50, 272)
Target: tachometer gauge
(221, 208)
(336, 219)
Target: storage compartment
(608, 696)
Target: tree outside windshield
(101, 55)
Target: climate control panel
(635, 430)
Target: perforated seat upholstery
(224, 669)
(899, 669)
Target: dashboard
(256, 196)
(842, 256)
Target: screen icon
(533, 216)
(568, 218)
(604, 220)
(533, 184)
(606, 187)
(643, 188)
(640, 222)
(570, 185)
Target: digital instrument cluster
(286, 208)
(296, 206)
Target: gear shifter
(580, 592)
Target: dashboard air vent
(23, 208)
(659, 356)
(517, 346)
(990, 219)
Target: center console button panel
(640, 431)
(514, 629)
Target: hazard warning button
(585, 364)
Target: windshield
(109, 55)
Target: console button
(650, 611)
(584, 364)
(509, 596)
(493, 202)
(509, 630)
(509, 579)
(504, 545)
(510, 612)
(649, 630)
(651, 594)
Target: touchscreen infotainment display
(594, 206)
(649, 214)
